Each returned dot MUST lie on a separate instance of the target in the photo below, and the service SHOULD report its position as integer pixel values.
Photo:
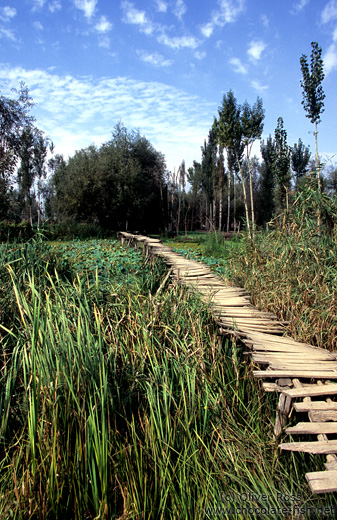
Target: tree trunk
(245, 203)
(234, 203)
(251, 194)
(228, 199)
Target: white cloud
(104, 42)
(136, 17)
(265, 20)
(178, 42)
(227, 12)
(38, 26)
(161, 6)
(330, 59)
(329, 12)
(155, 59)
(207, 30)
(200, 55)
(103, 25)
(38, 4)
(6, 13)
(7, 33)
(256, 48)
(87, 6)
(70, 111)
(238, 66)
(180, 9)
(55, 6)
(259, 87)
(299, 6)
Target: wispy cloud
(161, 6)
(265, 20)
(55, 6)
(256, 48)
(299, 6)
(330, 59)
(38, 26)
(70, 111)
(134, 16)
(259, 87)
(38, 4)
(7, 13)
(178, 42)
(238, 66)
(7, 33)
(179, 9)
(329, 12)
(228, 12)
(104, 42)
(154, 58)
(103, 25)
(87, 6)
(200, 55)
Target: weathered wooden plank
(311, 391)
(314, 447)
(302, 365)
(317, 374)
(331, 465)
(294, 357)
(315, 406)
(312, 428)
(322, 481)
(323, 416)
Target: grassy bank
(120, 400)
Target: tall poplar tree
(252, 127)
(313, 94)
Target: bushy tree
(118, 185)
(300, 159)
(14, 117)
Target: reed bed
(291, 269)
(121, 401)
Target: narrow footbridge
(304, 376)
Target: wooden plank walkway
(297, 371)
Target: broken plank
(322, 481)
(315, 447)
(313, 428)
(330, 389)
(317, 374)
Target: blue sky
(163, 66)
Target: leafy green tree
(119, 185)
(208, 164)
(252, 127)
(14, 116)
(281, 167)
(313, 94)
(267, 179)
(300, 158)
(26, 171)
(229, 138)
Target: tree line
(124, 183)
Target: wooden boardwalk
(305, 376)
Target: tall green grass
(291, 269)
(127, 403)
